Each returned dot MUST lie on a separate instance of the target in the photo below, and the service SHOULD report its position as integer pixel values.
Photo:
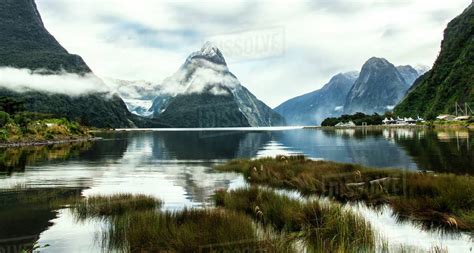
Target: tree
(4, 118)
(11, 106)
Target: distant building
(447, 117)
(462, 118)
(346, 124)
(400, 121)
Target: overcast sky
(277, 49)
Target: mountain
(137, 95)
(379, 87)
(312, 108)
(204, 93)
(451, 79)
(26, 44)
(408, 73)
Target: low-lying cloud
(24, 80)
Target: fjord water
(176, 166)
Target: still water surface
(176, 166)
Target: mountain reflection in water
(176, 166)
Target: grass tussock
(189, 230)
(323, 227)
(104, 206)
(434, 200)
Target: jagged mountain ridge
(379, 87)
(312, 108)
(204, 93)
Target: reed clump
(434, 200)
(323, 227)
(103, 206)
(188, 230)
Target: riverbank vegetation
(358, 119)
(434, 200)
(135, 224)
(377, 120)
(245, 220)
(253, 219)
(28, 127)
(112, 205)
(323, 227)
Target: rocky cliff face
(204, 93)
(379, 87)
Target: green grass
(105, 206)
(188, 230)
(323, 227)
(27, 127)
(135, 224)
(435, 200)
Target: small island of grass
(433, 200)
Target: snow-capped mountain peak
(208, 52)
(203, 92)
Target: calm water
(176, 166)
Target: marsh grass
(102, 206)
(188, 230)
(443, 201)
(324, 227)
(134, 223)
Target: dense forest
(451, 80)
(358, 119)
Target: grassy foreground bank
(322, 227)
(434, 200)
(245, 220)
(136, 224)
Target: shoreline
(392, 127)
(44, 143)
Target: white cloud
(23, 80)
(148, 39)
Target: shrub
(3, 135)
(4, 118)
